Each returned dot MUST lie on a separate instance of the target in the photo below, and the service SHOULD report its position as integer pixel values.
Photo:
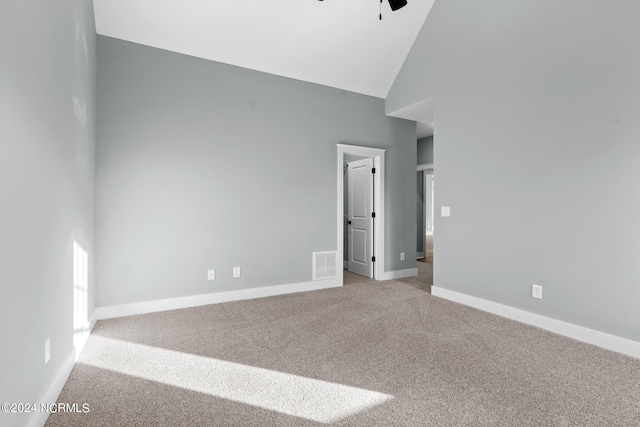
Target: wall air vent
(324, 265)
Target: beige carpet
(366, 354)
(428, 253)
(423, 281)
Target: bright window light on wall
(80, 297)
(308, 398)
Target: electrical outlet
(536, 291)
(401, 256)
(236, 272)
(211, 275)
(445, 211)
(47, 350)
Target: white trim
(60, 379)
(425, 167)
(378, 155)
(39, 418)
(399, 274)
(92, 320)
(110, 312)
(580, 333)
(424, 210)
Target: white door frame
(427, 168)
(428, 191)
(420, 255)
(378, 193)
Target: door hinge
(373, 170)
(373, 214)
(373, 259)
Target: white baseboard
(580, 333)
(399, 274)
(93, 319)
(39, 418)
(110, 312)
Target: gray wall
(538, 154)
(425, 150)
(414, 82)
(204, 165)
(47, 145)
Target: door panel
(360, 190)
(359, 253)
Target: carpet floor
(428, 253)
(366, 354)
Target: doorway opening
(359, 213)
(376, 218)
(425, 218)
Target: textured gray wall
(538, 154)
(425, 150)
(204, 165)
(47, 145)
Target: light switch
(445, 211)
(536, 291)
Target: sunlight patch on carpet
(307, 398)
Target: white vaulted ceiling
(338, 43)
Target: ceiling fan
(395, 5)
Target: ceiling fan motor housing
(397, 4)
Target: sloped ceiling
(337, 43)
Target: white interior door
(360, 217)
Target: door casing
(428, 169)
(378, 155)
